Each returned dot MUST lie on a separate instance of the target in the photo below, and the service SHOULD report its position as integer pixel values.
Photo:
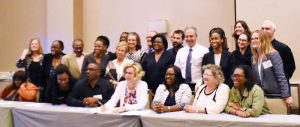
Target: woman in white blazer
(173, 94)
(132, 93)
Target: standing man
(148, 40)
(284, 50)
(189, 58)
(177, 42)
(92, 90)
(74, 60)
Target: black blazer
(287, 57)
(226, 64)
(243, 59)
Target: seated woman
(173, 95)
(114, 69)
(61, 86)
(19, 89)
(212, 96)
(246, 99)
(132, 93)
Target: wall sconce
(159, 25)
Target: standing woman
(131, 93)
(268, 68)
(51, 61)
(173, 94)
(32, 59)
(240, 27)
(99, 56)
(242, 55)
(219, 55)
(114, 69)
(156, 63)
(212, 96)
(134, 48)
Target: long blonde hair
(265, 46)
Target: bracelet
(169, 108)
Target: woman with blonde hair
(132, 93)
(212, 96)
(32, 59)
(114, 69)
(268, 68)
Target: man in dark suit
(284, 50)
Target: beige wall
(20, 20)
(285, 14)
(111, 18)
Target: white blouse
(119, 94)
(212, 103)
(182, 96)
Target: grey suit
(273, 80)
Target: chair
(150, 98)
(295, 92)
(277, 106)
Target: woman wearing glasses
(132, 93)
(246, 99)
(212, 96)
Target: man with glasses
(91, 91)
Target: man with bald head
(189, 58)
(284, 50)
(74, 60)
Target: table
(29, 114)
(182, 119)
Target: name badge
(98, 96)
(267, 64)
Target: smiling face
(255, 41)
(132, 41)
(78, 48)
(190, 37)
(238, 78)
(208, 77)
(56, 48)
(35, 45)
(243, 41)
(177, 40)
(170, 77)
(239, 29)
(158, 44)
(99, 48)
(121, 52)
(216, 41)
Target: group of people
(236, 82)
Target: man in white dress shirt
(192, 52)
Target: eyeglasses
(237, 76)
(207, 74)
(242, 40)
(170, 74)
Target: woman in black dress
(242, 55)
(31, 59)
(156, 63)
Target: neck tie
(188, 73)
